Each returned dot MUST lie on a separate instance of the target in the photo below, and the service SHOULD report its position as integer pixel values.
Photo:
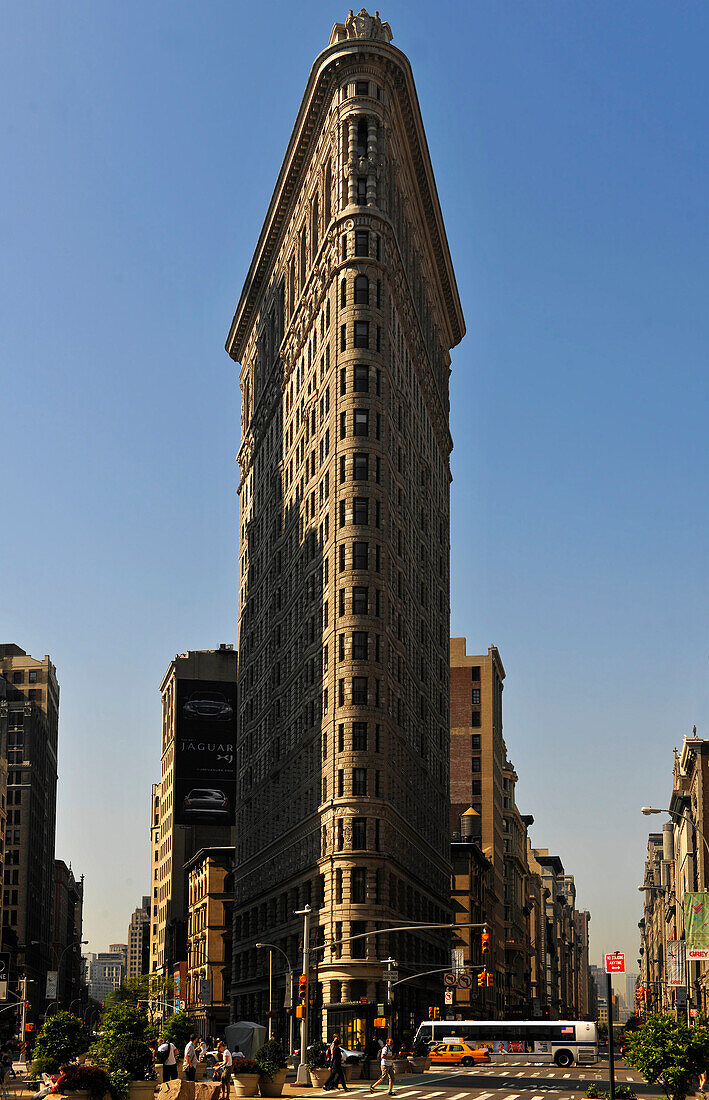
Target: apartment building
(138, 956)
(343, 332)
(209, 930)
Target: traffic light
(490, 978)
(481, 978)
(299, 1012)
(485, 942)
(436, 1013)
(302, 987)
(430, 1012)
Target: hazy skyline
(142, 145)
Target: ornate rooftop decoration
(362, 25)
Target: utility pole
(303, 1078)
(270, 993)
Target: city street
(513, 1081)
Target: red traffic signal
(485, 942)
(302, 987)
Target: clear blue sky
(140, 147)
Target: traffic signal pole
(611, 1060)
(303, 1077)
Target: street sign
(448, 996)
(51, 991)
(465, 981)
(288, 999)
(391, 975)
(364, 1000)
(449, 978)
(692, 1012)
(205, 992)
(615, 964)
(3, 990)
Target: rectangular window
(359, 781)
(33, 675)
(476, 697)
(360, 510)
(359, 645)
(475, 762)
(340, 782)
(359, 832)
(361, 334)
(338, 888)
(359, 736)
(341, 605)
(361, 422)
(475, 788)
(360, 555)
(475, 674)
(361, 242)
(343, 425)
(341, 647)
(475, 742)
(358, 947)
(358, 886)
(475, 719)
(359, 691)
(362, 191)
(360, 467)
(361, 378)
(343, 381)
(360, 601)
(361, 87)
(343, 337)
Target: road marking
(566, 1074)
(459, 1095)
(512, 1096)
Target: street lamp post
(289, 978)
(303, 1076)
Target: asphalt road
(516, 1081)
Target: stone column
(372, 156)
(352, 160)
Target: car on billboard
(211, 705)
(206, 802)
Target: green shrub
(135, 1058)
(270, 1058)
(61, 1039)
(121, 1024)
(668, 1053)
(316, 1057)
(622, 1092)
(178, 1028)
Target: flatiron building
(342, 333)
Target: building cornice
(323, 75)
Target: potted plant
(62, 1039)
(316, 1063)
(353, 1067)
(272, 1063)
(245, 1076)
(419, 1058)
(84, 1081)
(132, 1071)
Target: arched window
(361, 290)
(314, 228)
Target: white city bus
(560, 1041)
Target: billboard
(205, 752)
(676, 966)
(695, 907)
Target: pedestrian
(337, 1073)
(386, 1055)
(167, 1058)
(189, 1065)
(225, 1066)
(203, 1048)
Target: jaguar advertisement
(205, 753)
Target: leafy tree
(119, 1024)
(603, 1033)
(61, 1039)
(140, 989)
(669, 1053)
(178, 1028)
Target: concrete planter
(353, 1072)
(401, 1066)
(272, 1086)
(419, 1065)
(142, 1090)
(245, 1084)
(318, 1077)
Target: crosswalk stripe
(459, 1095)
(567, 1075)
(512, 1096)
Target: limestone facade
(343, 332)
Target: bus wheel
(563, 1058)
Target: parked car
(457, 1053)
(208, 704)
(206, 802)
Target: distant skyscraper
(343, 332)
(68, 927)
(139, 940)
(29, 718)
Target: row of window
(360, 514)
(359, 646)
(359, 557)
(360, 603)
(18, 676)
(360, 380)
(360, 470)
(357, 785)
(360, 423)
(360, 336)
(359, 692)
(360, 292)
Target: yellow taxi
(457, 1053)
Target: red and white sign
(465, 981)
(692, 1012)
(449, 978)
(615, 964)
(698, 952)
(448, 996)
